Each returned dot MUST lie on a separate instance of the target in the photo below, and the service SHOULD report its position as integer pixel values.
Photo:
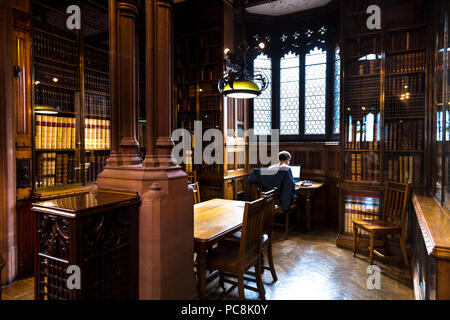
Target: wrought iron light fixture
(238, 82)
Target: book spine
(38, 136)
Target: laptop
(296, 172)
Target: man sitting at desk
(284, 158)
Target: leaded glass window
(289, 94)
(315, 91)
(337, 90)
(262, 105)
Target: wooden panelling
(25, 237)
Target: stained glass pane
(289, 94)
(262, 105)
(337, 91)
(315, 91)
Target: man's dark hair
(284, 155)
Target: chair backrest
(251, 233)
(196, 190)
(254, 192)
(269, 209)
(395, 202)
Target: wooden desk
(213, 220)
(307, 193)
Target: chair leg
(259, 283)
(372, 247)
(387, 247)
(241, 284)
(355, 239)
(271, 265)
(221, 282)
(403, 248)
(262, 261)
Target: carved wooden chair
(234, 259)
(267, 231)
(393, 221)
(287, 214)
(196, 190)
(2, 265)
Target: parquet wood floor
(309, 266)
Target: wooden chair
(286, 225)
(196, 190)
(2, 265)
(267, 231)
(234, 259)
(393, 220)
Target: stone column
(166, 220)
(8, 244)
(159, 63)
(124, 89)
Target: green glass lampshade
(242, 89)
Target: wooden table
(213, 220)
(307, 193)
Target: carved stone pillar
(124, 89)
(166, 220)
(159, 34)
(8, 245)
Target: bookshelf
(203, 29)
(383, 103)
(71, 105)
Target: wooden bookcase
(71, 105)
(383, 106)
(203, 29)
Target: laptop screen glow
(296, 171)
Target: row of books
(361, 68)
(187, 91)
(95, 37)
(404, 135)
(208, 38)
(358, 208)
(362, 166)
(57, 98)
(405, 169)
(97, 60)
(211, 55)
(363, 134)
(410, 40)
(187, 104)
(212, 102)
(94, 164)
(409, 62)
(211, 73)
(209, 87)
(365, 87)
(412, 107)
(48, 73)
(52, 23)
(97, 105)
(397, 85)
(211, 119)
(186, 75)
(96, 82)
(183, 45)
(360, 47)
(55, 133)
(186, 120)
(53, 169)
(97, 134)
(55, 48)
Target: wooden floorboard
(309, 267)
